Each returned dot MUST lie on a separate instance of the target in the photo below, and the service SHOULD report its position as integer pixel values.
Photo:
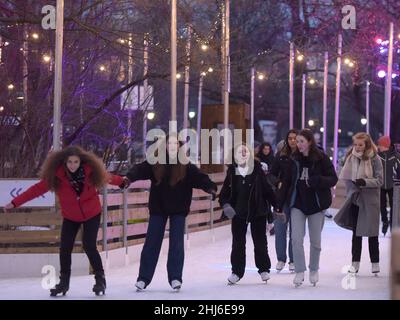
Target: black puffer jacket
(261, 195)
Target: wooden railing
(124, 221)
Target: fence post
(104, 229)
(212, 219)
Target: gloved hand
(280, 216)
(360, 183)
(229, 212)
(125, 183)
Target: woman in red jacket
(75, 176)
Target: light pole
(388, 86)
(145, 92)
(325, 101)
(173, 60)
(58, 76)
(130, 76)
(227, 80)
(199, 115)
(367, 84)
(187, 75)
(337, 102)
(303, 102)
(291, 85)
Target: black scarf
(77, 179)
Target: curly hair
(55, 159)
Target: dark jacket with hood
(261, 196)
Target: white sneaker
(355, 266)
(140, 285)
(314, 277)
(176, 285)
(264, 276)
(279, 266)
(298, 279)
(375, 268)
(233, 278)
(291, 267)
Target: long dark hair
(176, 172)
(260, 154)
(286, 150)
(315, 153)
(55, 159)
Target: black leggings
(373, 243)
(68, 234)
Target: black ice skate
(100, 285)
(61, 287)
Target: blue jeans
(152, 247)
(281, 237)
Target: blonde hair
(370, 146)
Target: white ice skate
(279, 266)
(176, 285)
(140, 286)
(355, 266)
(375, 268)
(298, 279)
(314, 277)
(264, 276)
(233, 278)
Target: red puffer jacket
(73, 207)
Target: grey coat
(367, 198)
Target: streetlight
(260, 76)
(203, 73)
(178, 76)
(364, 121)
(312, 81)
(102, 68)
(381, 74)
(204, 47)
(311, 122)
(35, 36)
(192, 114)
(1, 109)
(150, 115)
(300, 58)
(210, 69)
(10, 87)
(46, 58)
(321, 129)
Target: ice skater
(313, 176)
(75, 175)
(279, 170)
(172, 184)
(246, 198)
(363, 177)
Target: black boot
(62, 286)
(100, 285)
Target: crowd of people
(261, 188)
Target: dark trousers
(258, 229)
(69, 231)
(384, 194)
(356, 247)
(152, 247)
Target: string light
(178, 76)
(210, 69)
(46, 58)
(35, 36)
(102, 68)
(10, 87)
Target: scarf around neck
(77, 179)
(356, 167)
